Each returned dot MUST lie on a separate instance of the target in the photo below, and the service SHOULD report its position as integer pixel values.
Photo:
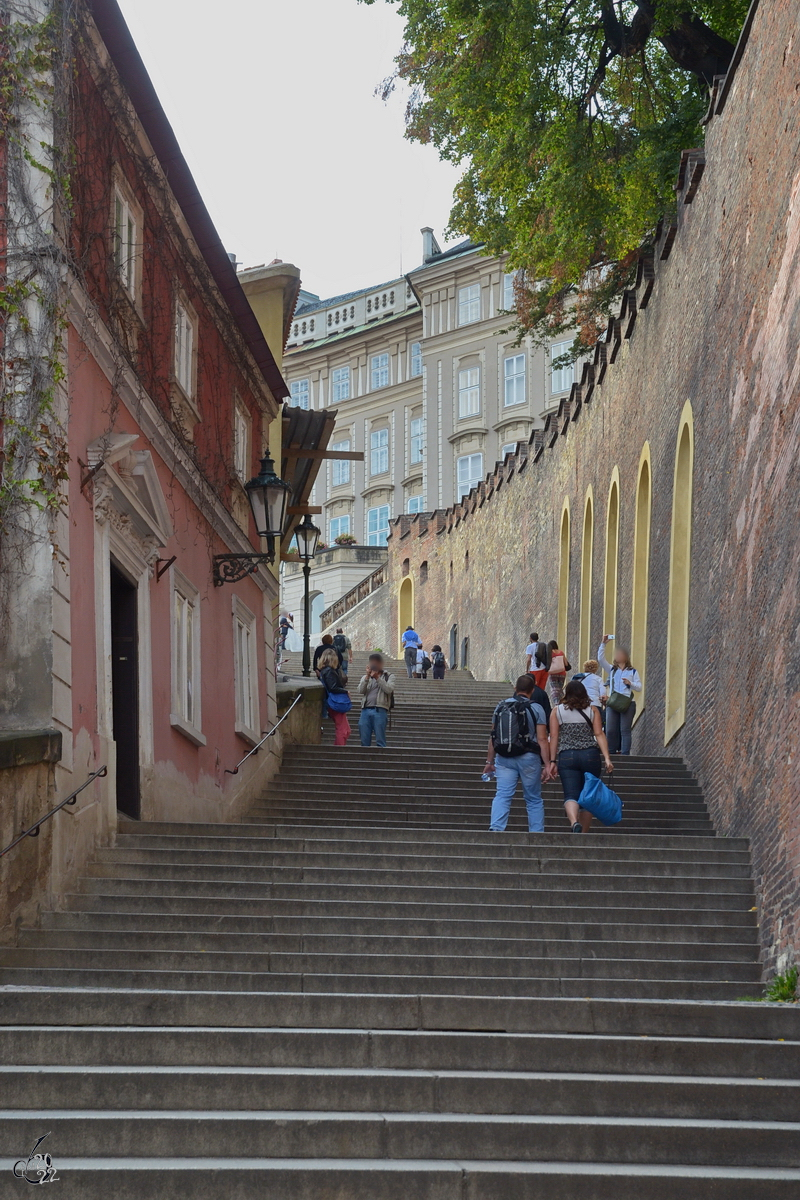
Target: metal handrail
(71, 798)
(256, 749)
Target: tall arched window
(587, 553)
(612, 556)
(680, 562)
(641, 573)
(563, 577)
(405, 609)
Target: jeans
(573, 765)
(410, 659)
(618, 729)
(528, 769)
(344, 667)
(438, 672)
(373, 719)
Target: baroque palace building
(426, 378)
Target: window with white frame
(469, 304)
(469, 472)
(301, 392)
(561, 378)
(185, 707)
(514, 380)
(469, 391)
(509, 448)
(340, 380)
(338, 526)
(184, 347)
(416, 359)
(416, 504)
(241, 443)
(380, 371)
(379, 452)
(509, 300)
(125, 239)
(245, 670)
(417, 433)
(340, 468)
(378, 525)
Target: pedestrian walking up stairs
(360, 994)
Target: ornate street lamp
(269, 497)
(307, 536)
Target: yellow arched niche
(641, 572)
(680, 562)
(612, 556)
(405, 610)
(563, 577)
(587, 553)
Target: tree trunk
(696, 48)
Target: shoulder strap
(588, 720)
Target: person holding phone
(623, 682)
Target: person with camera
(376, 689)
(623, 682)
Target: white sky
(296, 158)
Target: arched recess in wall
(641, 573)
(405, 610)
(680, 563)
(587, 558)
(610, 574)
(563, 577)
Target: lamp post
(307, 536)
(269, 498)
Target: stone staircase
(360, 994)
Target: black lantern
(269, 497)
(307, 536)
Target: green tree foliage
(569, 117)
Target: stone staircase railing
(350, 599)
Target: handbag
(555, 669)
(619, 702)
(600, 800)
(339, 702)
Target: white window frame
(340, 384)
(185, 347)
(509, 448)
(379, 451)
(379, 371)
(416, 433)
(247, 721)
(185, 709)
(472, 476)
(469, 304)
(300, 388)
(380, 534)
(415, 360)
(469, 392)
(416, 504)
(508, 290)
(126, 233)
(241, 442)
(562, 379)
(340, 468)
(337, 526)
(514, 382)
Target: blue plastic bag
(600, 800)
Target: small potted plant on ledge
(345, 539)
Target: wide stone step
(373, 1088)
(430, 1135)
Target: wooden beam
(299, 510)
(299, 452)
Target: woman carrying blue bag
(578, 747)
(336, 695)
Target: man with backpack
(345, 648)
(377, 691)
(411, 642)
(537, 660)
(519, 750)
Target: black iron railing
(256, 749)
(71, 799)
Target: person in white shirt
(623, 679)
(594, 683)
(419, 669)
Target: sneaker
(577, 827)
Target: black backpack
(438, 658)
(340, 642)
(426, 663)
(514, 728)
